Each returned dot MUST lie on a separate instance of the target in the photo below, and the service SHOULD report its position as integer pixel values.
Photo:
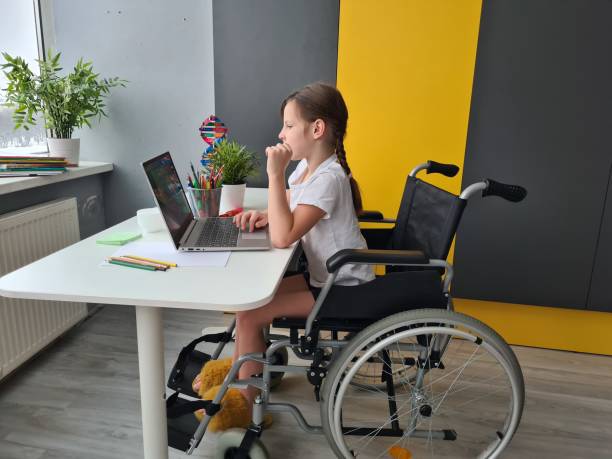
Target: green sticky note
(119, 238)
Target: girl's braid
(341, 153)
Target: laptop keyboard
(218, 232)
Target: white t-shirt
(329, 189)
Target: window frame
(43, 24)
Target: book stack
(27, 166)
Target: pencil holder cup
(204, 203)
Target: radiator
(27, 326)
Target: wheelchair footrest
(190, 362)
(182, 422)
(186, 368)
(181, 428)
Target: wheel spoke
(457, 377)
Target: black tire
(230, 440)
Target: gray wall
(600, 294)
(264, 50)
(165, 50)
(87, 190)
(540, 117)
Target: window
(19, 32)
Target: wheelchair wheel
(229, 442)
(371, 374)
(461, 395)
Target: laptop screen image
(169, 194)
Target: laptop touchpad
(257, 234)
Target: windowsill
(36, 150)
(85, 168)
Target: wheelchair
(395, 369)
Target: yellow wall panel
(405, 68)
(537, 326)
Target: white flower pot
(232, 197)
(65, 148)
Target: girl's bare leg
(293, 299)
(295, 283)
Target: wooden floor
(80, 398)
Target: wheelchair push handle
(449, 170)
(513, 193)
(433, 167)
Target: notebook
(119, 238)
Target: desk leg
(152, 387)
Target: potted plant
(66, 102)
(236, 164)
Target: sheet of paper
(165, 251)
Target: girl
(319, 209)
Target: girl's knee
(243, 317)
(251, 320)
(240, 317)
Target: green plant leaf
(238, 163)
(67, 102)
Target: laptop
(189, 234)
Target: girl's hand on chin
(278, 158)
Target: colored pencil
(195, 175)
(152, 261)
(141, 262)
(132, 265)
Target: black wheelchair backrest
(427, 220)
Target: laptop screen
(169, 194)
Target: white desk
(249, 280)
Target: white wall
(165, 50)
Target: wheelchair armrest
(370, 215)
(377, 238)
(375, 257)
(373, 216)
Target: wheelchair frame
(310, 347)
